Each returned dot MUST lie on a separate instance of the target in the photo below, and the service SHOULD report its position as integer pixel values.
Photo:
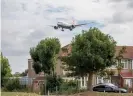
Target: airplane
(65, 25)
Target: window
(82, 81)
(100, 87)
(107, 88)
(99, 79)
(31, 63)
(125, 62)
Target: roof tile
(128, 54)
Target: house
(125, 79)
(126, 75)
(35, 80)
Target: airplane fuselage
(64, 25)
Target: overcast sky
(24, 23)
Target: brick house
(38, 79)
(126, 73)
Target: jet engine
(55, 27)
(73, 26)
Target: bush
(53, 83)
(69, 87)
(14, 85)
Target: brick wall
(31, 72)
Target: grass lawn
(102, 94)
(114, 94)
(81, 94)
(18, 94)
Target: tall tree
(92, 51)
(44, 55)
(119, 57)
(5, 69)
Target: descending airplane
(65, 25)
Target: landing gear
(70, 29)
(62, 29)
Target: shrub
(53, 83)
(14, 85)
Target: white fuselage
(64, 25)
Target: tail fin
(73, 21)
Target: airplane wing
(50, 25)
(80, 24)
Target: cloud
(130, 4)
(25, 23)
(123, 17)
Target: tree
(119, 57)
(24, 73)
(5, 69)
(44, 55)
(92, 51)
(17, 74)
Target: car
(108, 87)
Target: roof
(128, 54)
(126, 74)
(128, 51)
(68, 47)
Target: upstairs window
(125, 62)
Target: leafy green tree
(17, 74)
(5, 69)
(44, 55)
(92, 51)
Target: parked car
(108, 87)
